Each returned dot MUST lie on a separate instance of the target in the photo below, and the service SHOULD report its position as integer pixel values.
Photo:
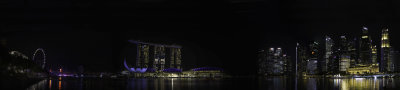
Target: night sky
(219, 33)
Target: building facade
(273, 62)
(328, 53)
(365, 48)
(157, 56)
(302, 59)
(385, 65)
(315, 62)
(395, 56)
(344, 54)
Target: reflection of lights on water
(375, 81)
(172, 83)
(360, 82)
(359, 79)
(59, 85)
(337, 82)
(40, 85)
(173, 75)
(344, 85)
(383, 81)
(50, 84)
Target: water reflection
(38, 86)
(278, 83)
(59, 85)
(282, 83)
(50, 84)
(311, 84)
(172, 83)
(360, 83)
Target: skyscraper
(394, 56)
(353, 52)
(374, 55)
(315, 62)
(365, 48)
(328, 53)
(278, 62)
(273, 62)
(301, 59)
(344, 55)
(385, 52)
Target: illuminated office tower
(159, 58)
(365, 48)
(270, 58)
(312, 66)
(344, 62)
(301, 59)
(333, 64)
(273, 62)
(315, 62)
(344, 55)
(385, 52)
(328, 53)
(374, 55)
(265, 61)
(353, 51)
(143, 55)
(278, 62)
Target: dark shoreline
(13, 83)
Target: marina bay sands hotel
(157, 56)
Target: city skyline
(199, 44)
(342, 54)
(108, 49)
(215, 35)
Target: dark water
(217, 84)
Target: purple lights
(65, 75)
(141, 70)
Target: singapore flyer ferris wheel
(41, 61)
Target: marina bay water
(276, 83)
